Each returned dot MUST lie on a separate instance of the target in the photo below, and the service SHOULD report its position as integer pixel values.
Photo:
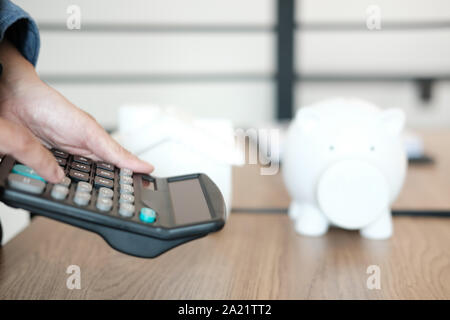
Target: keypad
(93, 183)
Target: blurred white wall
(85, 53)
(69, 58)
(403, 52)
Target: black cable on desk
(422, 213)
(404, 213)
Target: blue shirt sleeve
(20, 29)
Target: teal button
(147, 215)
(26, 172)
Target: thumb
(107, 149)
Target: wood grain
(256, 256)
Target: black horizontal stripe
(414, 213)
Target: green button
(26, 172)
(147, 215)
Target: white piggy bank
(344, 164)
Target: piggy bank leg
(380, 229)
(294, 210)
(309, 220)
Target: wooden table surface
(256, 255)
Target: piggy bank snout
(352, 193)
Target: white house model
(178, 144)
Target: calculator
(135, 213)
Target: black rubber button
(102, 182)
(78, 176)
(105, 166)
(82, 160)
(62, 162)
(81, 167)
(60, 153)
(105, 173)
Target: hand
(32, 113)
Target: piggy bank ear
(307, 120)
(391, 121)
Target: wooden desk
(256, 256)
